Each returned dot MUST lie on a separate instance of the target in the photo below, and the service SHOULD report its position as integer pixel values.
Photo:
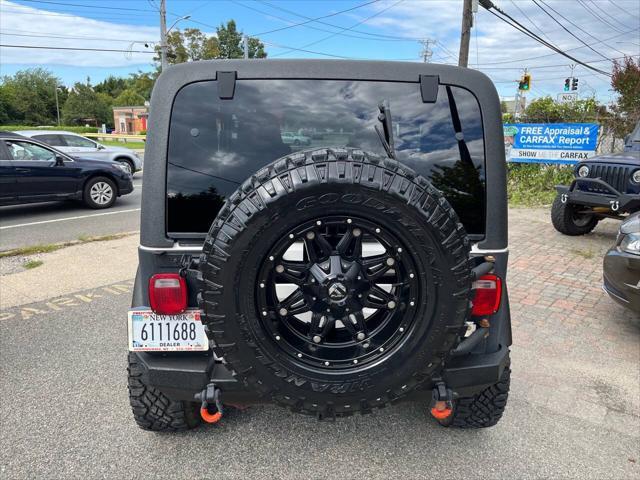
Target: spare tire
(334, 281)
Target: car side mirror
(59, 160)
(100, 147)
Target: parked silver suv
(79, 146)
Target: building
(130, 120)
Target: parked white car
(78, 146)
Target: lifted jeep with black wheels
(364, 267)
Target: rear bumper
(181, 376)
(612, 199)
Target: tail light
(167, 293)
(488, 293)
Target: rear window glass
(214, 144)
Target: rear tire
(482, 410)
(152, 410)
(567, 221)
(100, 192)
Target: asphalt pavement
(65, 414)
(53, 222)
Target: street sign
(567, 97)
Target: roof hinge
(429, 88)
(226, 84)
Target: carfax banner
(560, 143)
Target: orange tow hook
(441, 410)
(442, 403)
(210, 417)
(209, 395)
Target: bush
(69, 128)
(533, 185)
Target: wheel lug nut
(271, 258)
(317, 339)
(365, 344)
(360, 336)
(359, 295)
(401, 329)
(318, 223)
(411, 275)
(381, 349)
(291, 235)
(328, 310)
(264, 313)
(279, 268)
(377, 230)
(391, 304)
(390, 261)
(283, 312)
(326, 364)
(299, 355)
(359, 277)
(311, 235)
(349, 220)
(412, 303)
(262, 285)
(399, 250)
(357, 232)
(277, 337)
(355, 361)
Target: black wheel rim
(338, 293)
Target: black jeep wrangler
(606, 186)
(339, 276)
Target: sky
(362, 29)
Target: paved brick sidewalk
(575, 352)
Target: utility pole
(163, 35)
(57, 105)
(465, 33)
(245, 46)
(426, 53)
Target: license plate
(151, 332)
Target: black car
(331, 280)
(606, 186)
(31, 171)
(621, 269)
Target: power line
(566, 29)
(67, 37)
(595, 15)
(42, 47)
(312, 27)
(610, 16)
(315, 19)
(88, 6)
(489, 6)
(380, 12)
(57, 13)
(579, 27)
(530, 21)
(627, 13)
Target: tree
(191, 45)
(112, 86)
(129, 97)
(28, 97)
(85, 105)
(547, 110)
(230, 43)
(626, 83)
(142, 83)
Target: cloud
(23, 25)
(502, 52)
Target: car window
(21, 150)
(50, 139)
(73, 141)
(214, 145)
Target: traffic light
(525, 82)
(567, 84)
(574, 84)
